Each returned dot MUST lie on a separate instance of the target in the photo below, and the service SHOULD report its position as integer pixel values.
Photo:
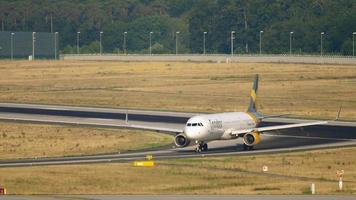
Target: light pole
(290, 42)
(177, 42)
(125, 33)
(55, 45)
(321, 43)
(232, 42)
(204, 40)
(353, 43)
(51, 23)
(261, 42)
(12, 46)
(151, 42)
(78, 33)
(33, 45)
(101, 46)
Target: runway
(334, 134)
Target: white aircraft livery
(230, 125)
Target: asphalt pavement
(335, 134)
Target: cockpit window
(195, 124)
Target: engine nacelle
(181, 140)
(251, 139)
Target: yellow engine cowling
(251, 139)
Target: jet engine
(251, 139)
(181, 140)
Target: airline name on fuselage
(216, 124)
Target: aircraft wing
(278, 127)
(91, 122)
(154, 128)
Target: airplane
(202, 129)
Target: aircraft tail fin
(253, 96)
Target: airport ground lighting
(55, 45)
(33, 45)
(290, 42)
(12, 45)
(353, 43)
(124, 46)
(101, 46)
(151, 42)
(204, 41)
(177, 33)
(232, 37)
(78, 50)
(291, 37)
(261, 42)
(321, 43)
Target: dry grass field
(313, 91)
(37, 140)
(289, 173)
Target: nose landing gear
(202, 146)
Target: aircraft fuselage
(218, 126)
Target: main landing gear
(247, 148)
(202, 146)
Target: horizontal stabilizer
(272, 116)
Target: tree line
(257, 24)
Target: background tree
(277, 18)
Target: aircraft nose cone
(191, 134)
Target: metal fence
(25, 44)
(218, 58)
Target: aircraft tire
(205, 147)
